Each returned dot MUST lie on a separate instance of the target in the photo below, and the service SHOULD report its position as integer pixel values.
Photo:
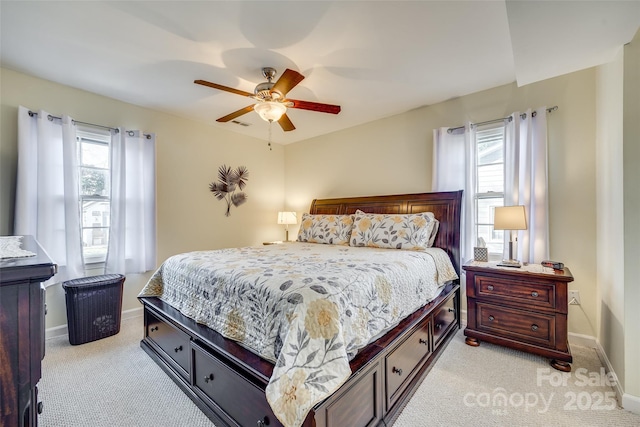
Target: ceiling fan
(271, 98)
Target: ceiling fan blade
(235, 114)
(287, 81)
(314, 106)
(285, 123)
(221, 87)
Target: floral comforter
(308, 308)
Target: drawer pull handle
(490, 287)
(491, 318)
(177, 349)
(153, 328)
(396, 370)
(421, 341)
(534, 327)
(534, 294)
(208, 378)
(451, 310)
(438, 326)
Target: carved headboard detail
(446, 206)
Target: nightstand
(522, 308)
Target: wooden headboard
(446, 207)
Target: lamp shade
(509, 218)
(270, 111)
(287, 218)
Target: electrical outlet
(574, 297)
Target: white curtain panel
(47, 200)
(132, 237)
(453, 157)
(526, 181)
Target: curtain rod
(116, 130)
(508, 119)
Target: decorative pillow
(408, 231)
(327, 229)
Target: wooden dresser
(522, 308)
(22, 333)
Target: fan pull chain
(270, 122)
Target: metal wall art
(230, 184)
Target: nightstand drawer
(521, 325)
(524, 294)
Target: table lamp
(510, 218)
(287, 218)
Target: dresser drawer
(521, 325)
(171, 340)
(524, 294)
(443, 320)
(220, 383)
(401, 362)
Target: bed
(358, 383)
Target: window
(95, 204)
(489, 183)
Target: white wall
(188, 155)
(631, 150)
(394, 156)
(610, 213)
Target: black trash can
(94, 307)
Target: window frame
(495, 244)
(86, 135)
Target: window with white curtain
(95, 194)
(490, 154)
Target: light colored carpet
(113, 382)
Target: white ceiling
(374, 58)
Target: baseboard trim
(602, 355)
(134, 312)
(56, 331)
(631, 403)
(582, 340)
(63, 330)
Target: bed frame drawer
(222, 386)
(443, 320)
(401, 363)
(172, 341)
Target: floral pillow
(408, 231)
(327, 229)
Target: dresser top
(32, 268)
(525, 269)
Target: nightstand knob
(396, 370)
(490, 287)
(534, 294)
(534, 327)
(491, 318)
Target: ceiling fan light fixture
(270, 111)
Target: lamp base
(510, 263)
